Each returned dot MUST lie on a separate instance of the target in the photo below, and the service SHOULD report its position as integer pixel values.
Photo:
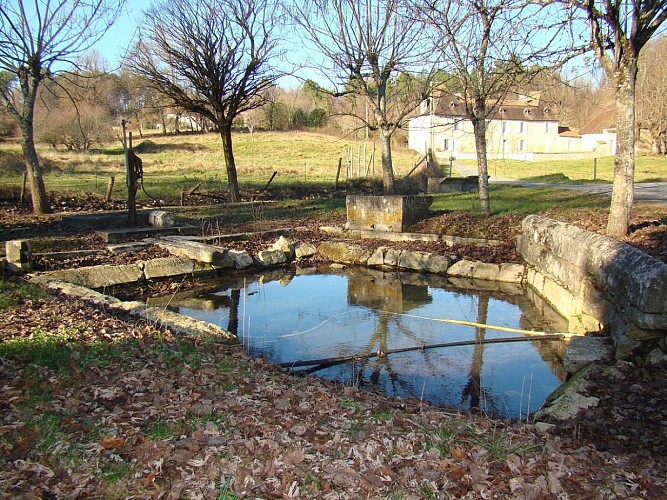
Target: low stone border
(348, 253)
(361, 234)
(159, 316)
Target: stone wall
(597, 282)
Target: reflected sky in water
(320, 316)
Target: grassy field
(175, 162)
(172, 163)
(647, 169)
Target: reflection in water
(472, 391)
(368, 313)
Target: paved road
(645, 192)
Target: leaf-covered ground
(100, 406)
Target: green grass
(48, 425)
(48, 350)
(647, 168)
(498, 443)
(172, 163)
(158, 430)
(114, 471)
(226, 491)
(508, 199)
(13, 293)
(348, 403)
(383, 416)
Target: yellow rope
(482, 325)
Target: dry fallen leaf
(112, 442)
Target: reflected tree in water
(472, 391)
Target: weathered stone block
(511, 273)
(657, 357)
(304, 250)
(200, 252)
(636, 333)
(423, 262)
(338, 251)
(582, 351)
(568, 400)
(385, 213)
(96, 276)
(271, 257)
(187, 326)
(391, 257)
(167, 266)
(486, 271)
(283, 244)
(377, 259)
(18, 255)
(241, 259)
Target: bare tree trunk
(479, 128)
(623, 193)
(226, 135)
(40, 202)
(388, 183)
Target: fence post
(340, 165)
(107, 197)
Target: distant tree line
(216, 65)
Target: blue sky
(116, 41)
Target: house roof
(568, 132)
(604, 120)
(526, 108)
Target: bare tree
(491, 47)
(652, 93)
(213, 58)
(366, 46)
(36, 39)
(619, 31)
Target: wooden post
(107, 197)
(130, 180)
(340, 165)
(595, 169)
(270, 180)
(23, 188)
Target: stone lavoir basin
(409, 335)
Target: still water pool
(328, 315)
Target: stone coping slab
(364, 234)
(120, 235)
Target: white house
(524, 128)
(600, 133)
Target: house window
(445, 144)
(522, 145)
(547, 127)
(523, 127)
(504, 127)
(455, 126)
